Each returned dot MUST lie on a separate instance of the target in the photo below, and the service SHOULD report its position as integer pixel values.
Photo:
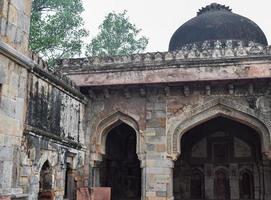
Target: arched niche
(46, 182)
(197, 188)
(246, 184)
(221, 184)
(212, 109)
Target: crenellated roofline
(213, 7)
(202, 52)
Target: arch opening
(120, 167)
(221, 185)
(219, 150)
(70, 183)
(246, 182)
(45, 184)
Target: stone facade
(186, 124)
(41, 117)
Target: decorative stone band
(43, 66)
(203, 50)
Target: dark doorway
(221, 185)
(214, 152)
(45, 191)
(120, 168)
(197, 185)
(70, 184)
(246, 185)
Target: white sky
(159, 19)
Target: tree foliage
(117, 36)
(56, 29)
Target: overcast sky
(159, 19)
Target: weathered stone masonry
(40, 117)
(163, 112)
(191, 123)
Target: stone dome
(216, 22)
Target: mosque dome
(217, 22)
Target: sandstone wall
(164, 113)
(15, 23)
(41, 117)
(12, 117)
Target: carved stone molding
(201, 50)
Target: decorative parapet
(38, 61)
(43, 66)
(198, 51)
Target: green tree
(117, 36)
(56, 29)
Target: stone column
(209, 181)
(257, 183)
(157, 168)
(234, 181)
(157, 179)
(267, 179)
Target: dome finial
(213, 7)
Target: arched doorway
(45, 184)
(120, 168)
(70, 184)
(221, 185)
(219, 149)
(246, 184)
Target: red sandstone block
(83, 194)
(4, 198)
(100, 193)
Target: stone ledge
(218, 51)
(62, 140)
(38, 66)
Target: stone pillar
(157, 168)
(15, 23)
(209, 181)
(257, 183)
(234, 181)
(157, 179)
(267, 178)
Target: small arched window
(221, 185)
(246, 185)
(197, 185)
(45, 190)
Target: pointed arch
(46, 181)
(212, 109)
(47, 155)
(246, 184)
(221, 183)
(197, 187)
(110, 122)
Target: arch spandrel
(212, 109)
(110, 122)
